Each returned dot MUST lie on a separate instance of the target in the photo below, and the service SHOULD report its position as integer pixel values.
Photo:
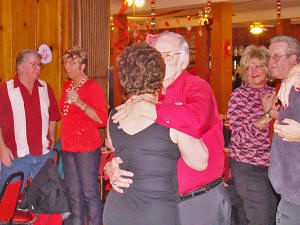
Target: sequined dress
(79, 133)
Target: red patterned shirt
(249, 143)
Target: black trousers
(254, 188)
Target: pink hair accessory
(150, 38)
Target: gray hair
(183, 45)
(22, 57)
(293, 45)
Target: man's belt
(201, 190)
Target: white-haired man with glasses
(284, 170)
(186, 103)
(28, 116)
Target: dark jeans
(238, 214)
(81, 180)
(253, 186)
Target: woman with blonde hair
(84, 111)
(250, 124)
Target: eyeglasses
(276, 58)
(254, 68)
(169, 55)
(35, 65)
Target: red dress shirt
(79, 133)
(32, 110)
(189, 106)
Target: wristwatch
(267, 114)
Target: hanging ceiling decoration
(278, 10)
(137, 3)
(205, 16)
(206, 19)
(153, 14)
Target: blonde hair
(76, 55)
(252, 51)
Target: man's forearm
(52, 132)
(2, 143)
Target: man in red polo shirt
(28, 116)
(187, 104)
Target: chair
(9, 214)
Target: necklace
(75, 88)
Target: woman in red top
(84, 111)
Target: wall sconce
(256, 28)
(137, 3)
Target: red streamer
(120, 26)
(227, 49)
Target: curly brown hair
(141, 69)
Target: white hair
(183, 45)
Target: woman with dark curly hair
(148, 149)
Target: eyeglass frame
(40, 65)
(277, 58)
(170, 54)
(260, 67)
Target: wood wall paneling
(23, 26)
(6, 67)
(221, 57)
(283, 27)
(26, 24)
(295, 31)
(202, 51)
(65, 35)
(48, 19)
